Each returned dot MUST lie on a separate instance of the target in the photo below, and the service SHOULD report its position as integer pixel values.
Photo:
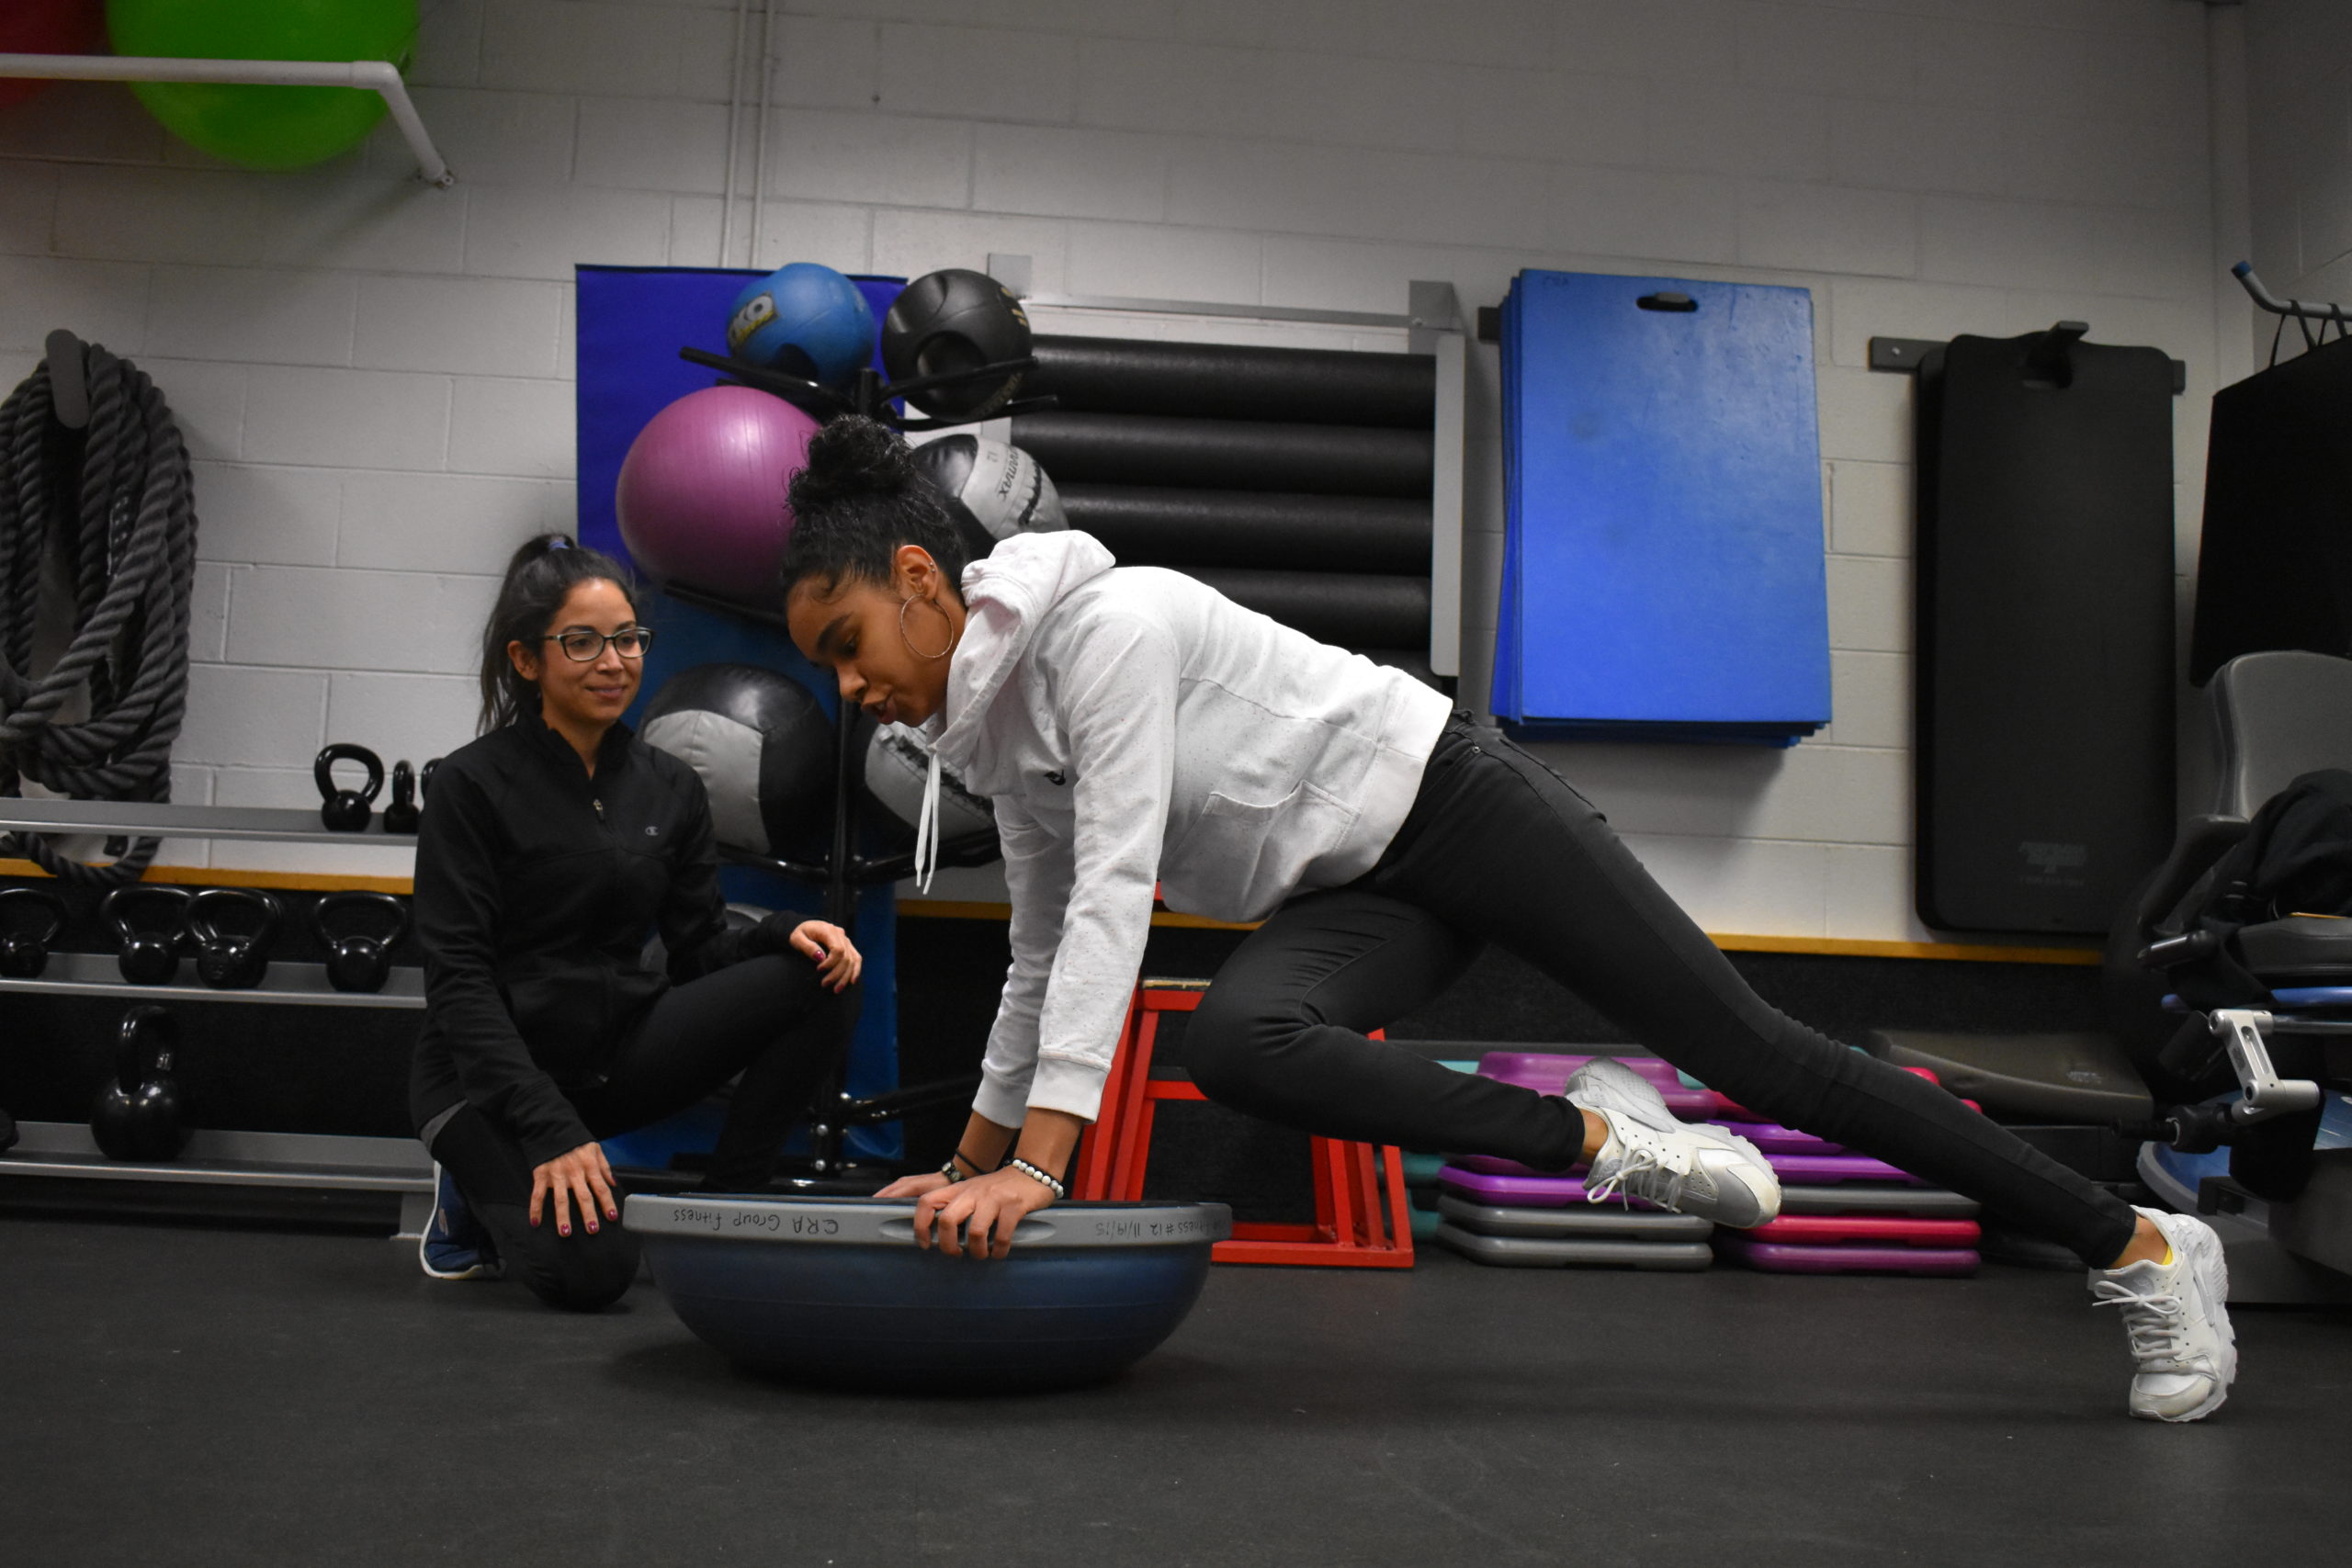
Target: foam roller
(1227, 381)
(1227, 454)
(1146, 526)
(1351, 609)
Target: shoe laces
(2155, 1321)
(1642, 1154)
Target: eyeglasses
(580, 646)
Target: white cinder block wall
(2298, 123)
(374, 377)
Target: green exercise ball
(265, 127)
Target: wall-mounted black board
(2044, 668)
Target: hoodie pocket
(1239, 859)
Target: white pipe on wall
(370, 75)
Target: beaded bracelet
(1051, 1184)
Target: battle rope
(110, 507)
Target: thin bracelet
(953, 1175)
(1034, 1174)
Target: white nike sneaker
(1682, 1167)
(2177, 1315)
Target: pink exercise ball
(701, 495)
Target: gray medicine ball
(992, 491)
(763, 748)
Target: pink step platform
(1548, 1074)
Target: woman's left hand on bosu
(977, 1218)
(837, 958)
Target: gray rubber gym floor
(176, 1394)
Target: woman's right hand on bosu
(584, 1174)
(914, 1185)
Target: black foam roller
(1352, 610)
(1150, 527)
(1227, 454)
(1218, 380)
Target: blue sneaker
(455, 1245)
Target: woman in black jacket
(551, 848)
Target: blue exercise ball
(804, 319)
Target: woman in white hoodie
(1136, 728)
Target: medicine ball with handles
(953, 321)
(357, 961)
(29, 921)
(346, 810)
(150, 951)
(993, 490)
(805, 319)
(138, 1115)
(229, 959)
(897, 765)
(763, 748)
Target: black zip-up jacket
(536, 886)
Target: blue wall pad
(1663, 577)
(633, 320)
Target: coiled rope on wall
(107, 513)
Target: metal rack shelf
(287, 984)
(227, 1158)
(285, 825)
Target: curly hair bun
(851, 456)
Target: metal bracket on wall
(1904, 354)
(379, 77)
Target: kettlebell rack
(230, 1158)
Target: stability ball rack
(379, 77)
(1434, 325)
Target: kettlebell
(425, 778)
(400, 817)
(356, 962)
(25, 954)
(232, 960)
(148, 957)
(346, 810)
(137, 1115)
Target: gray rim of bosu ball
(890, 1222)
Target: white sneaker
(1682, 1167)
(2178, 1317)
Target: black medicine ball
(764, 749)
(993, 491)
(950, 321)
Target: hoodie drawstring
(927, 829)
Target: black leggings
(768, 1018)
(1499, 848)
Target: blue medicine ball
(804, 319)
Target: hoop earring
(905, 604)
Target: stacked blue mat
(1663, 574)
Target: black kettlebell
(400, 817)
(234, 960)
(148, 957)
(25, 954)
(356, 962)
(425, 778)
(139, 1113)
(346, 810)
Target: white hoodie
(1135, 726)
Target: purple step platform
(1772, 1258)
(1817, 1170)
(1777, 1140)
(1516, 1191)
(1548, 1074)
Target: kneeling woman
(1134, 725)
(551, 849)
